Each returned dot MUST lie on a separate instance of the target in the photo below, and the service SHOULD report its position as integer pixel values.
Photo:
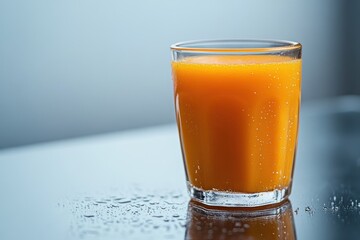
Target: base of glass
(236, 199)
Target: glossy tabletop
(131, 185)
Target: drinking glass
(237, 108)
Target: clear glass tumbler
(237, 107)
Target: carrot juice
(238, 120)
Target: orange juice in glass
(237, 108)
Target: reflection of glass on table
(267, 223)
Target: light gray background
(72, 68)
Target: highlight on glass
(237, 107)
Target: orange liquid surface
(238, 120)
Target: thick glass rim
(236, 45)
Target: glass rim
(195, 45)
